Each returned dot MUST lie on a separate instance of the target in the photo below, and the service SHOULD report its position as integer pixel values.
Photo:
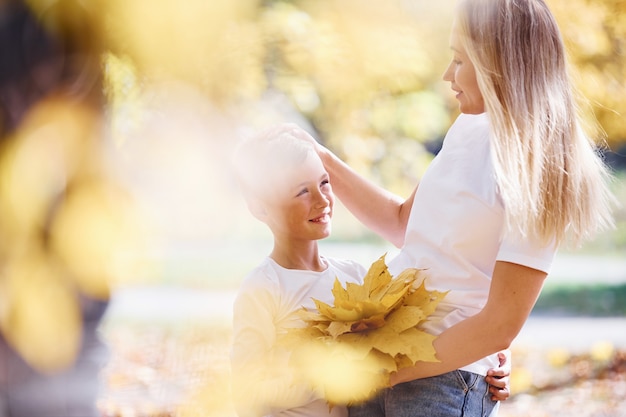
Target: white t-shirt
(266, 306)
(456, 229)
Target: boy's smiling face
(302, 202)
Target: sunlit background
(115, 162)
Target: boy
(287, 188)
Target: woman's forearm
(456, 347)
(513, 293)
(380, 210)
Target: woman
(286, 187)
(516, 178)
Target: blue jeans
(455, 394)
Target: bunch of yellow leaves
(348, 350)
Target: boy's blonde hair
(553, 183)
(262, 161)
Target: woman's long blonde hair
(552, 181)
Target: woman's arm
(513, 293)
(380, 210)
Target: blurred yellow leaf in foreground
(65, 223)
(41, 318)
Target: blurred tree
(366, 77)
(595, 33)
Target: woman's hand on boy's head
(294, 130)
(300, 133)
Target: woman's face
(462, 78)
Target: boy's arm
(380, 210)
(263, 382)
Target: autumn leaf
(40, 308)
(360, 307)
(405, 317)
(413, 343)
(377, 277)
(341, 294)
(342, 373)
(294, 337)
(421, 346)
(426, 300)
(393, 344)
(371, 328)
(337, 328)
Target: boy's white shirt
(456, 229)
(266, 306)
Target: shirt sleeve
(263, 382)
(527, 251)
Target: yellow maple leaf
(328, 312)
(426, 300)
(421, 345)
(405, 317)
(337, 328)
(364, 306)
(341, 295)
(342, 373)
(413, 343)
(41, 306)
(377, 322)
(402, 361)
(377, 277)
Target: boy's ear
(257, 208)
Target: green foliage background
(368, 75)
(363, 77)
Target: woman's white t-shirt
(456, 229)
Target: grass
(589, 301)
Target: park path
(180, 303)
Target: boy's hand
(498, 378)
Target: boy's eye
(303, 191)
(325, 182)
